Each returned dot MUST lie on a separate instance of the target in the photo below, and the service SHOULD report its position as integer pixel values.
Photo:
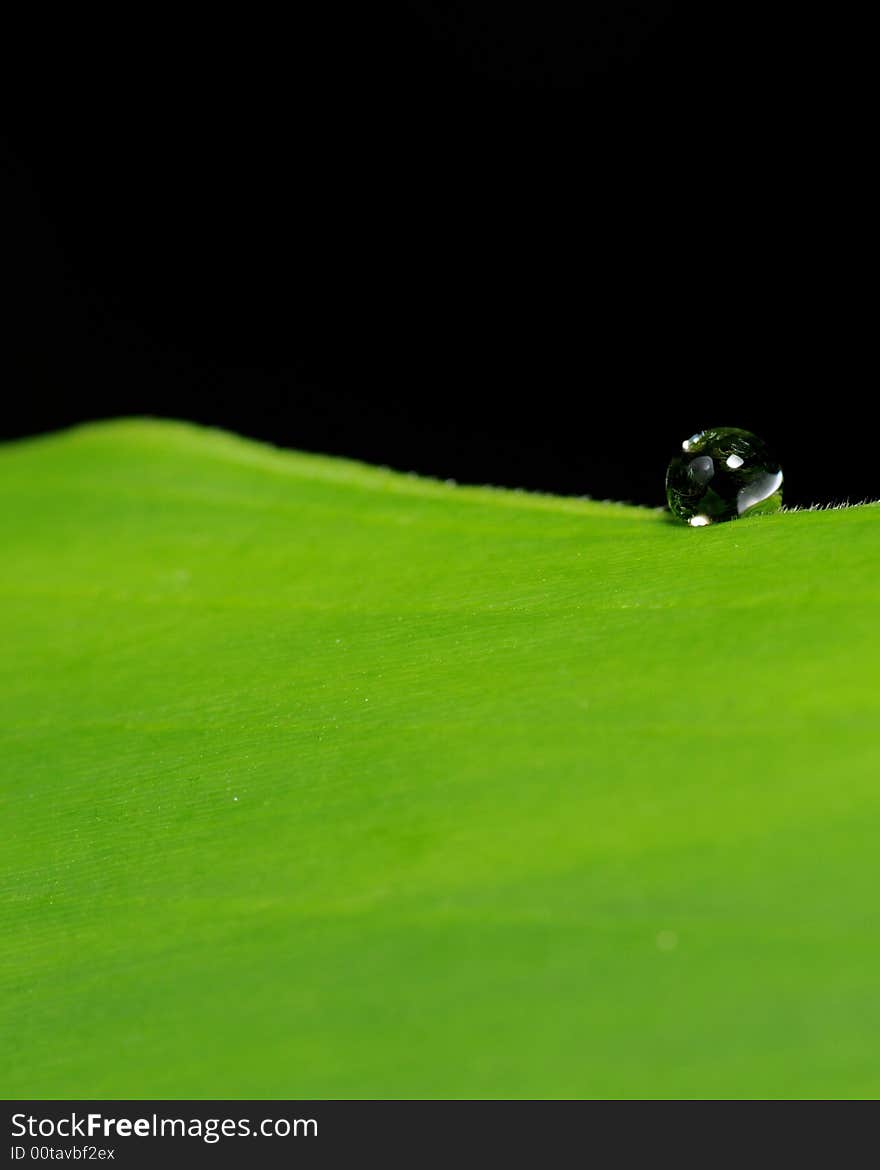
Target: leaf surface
(324, 781)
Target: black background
(533, 245)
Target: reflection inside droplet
(701, 469)
(734, 461)
(757, 491)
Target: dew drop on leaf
(722, 474)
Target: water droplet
(721, 474)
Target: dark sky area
(526, 244)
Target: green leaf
(324, 781)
